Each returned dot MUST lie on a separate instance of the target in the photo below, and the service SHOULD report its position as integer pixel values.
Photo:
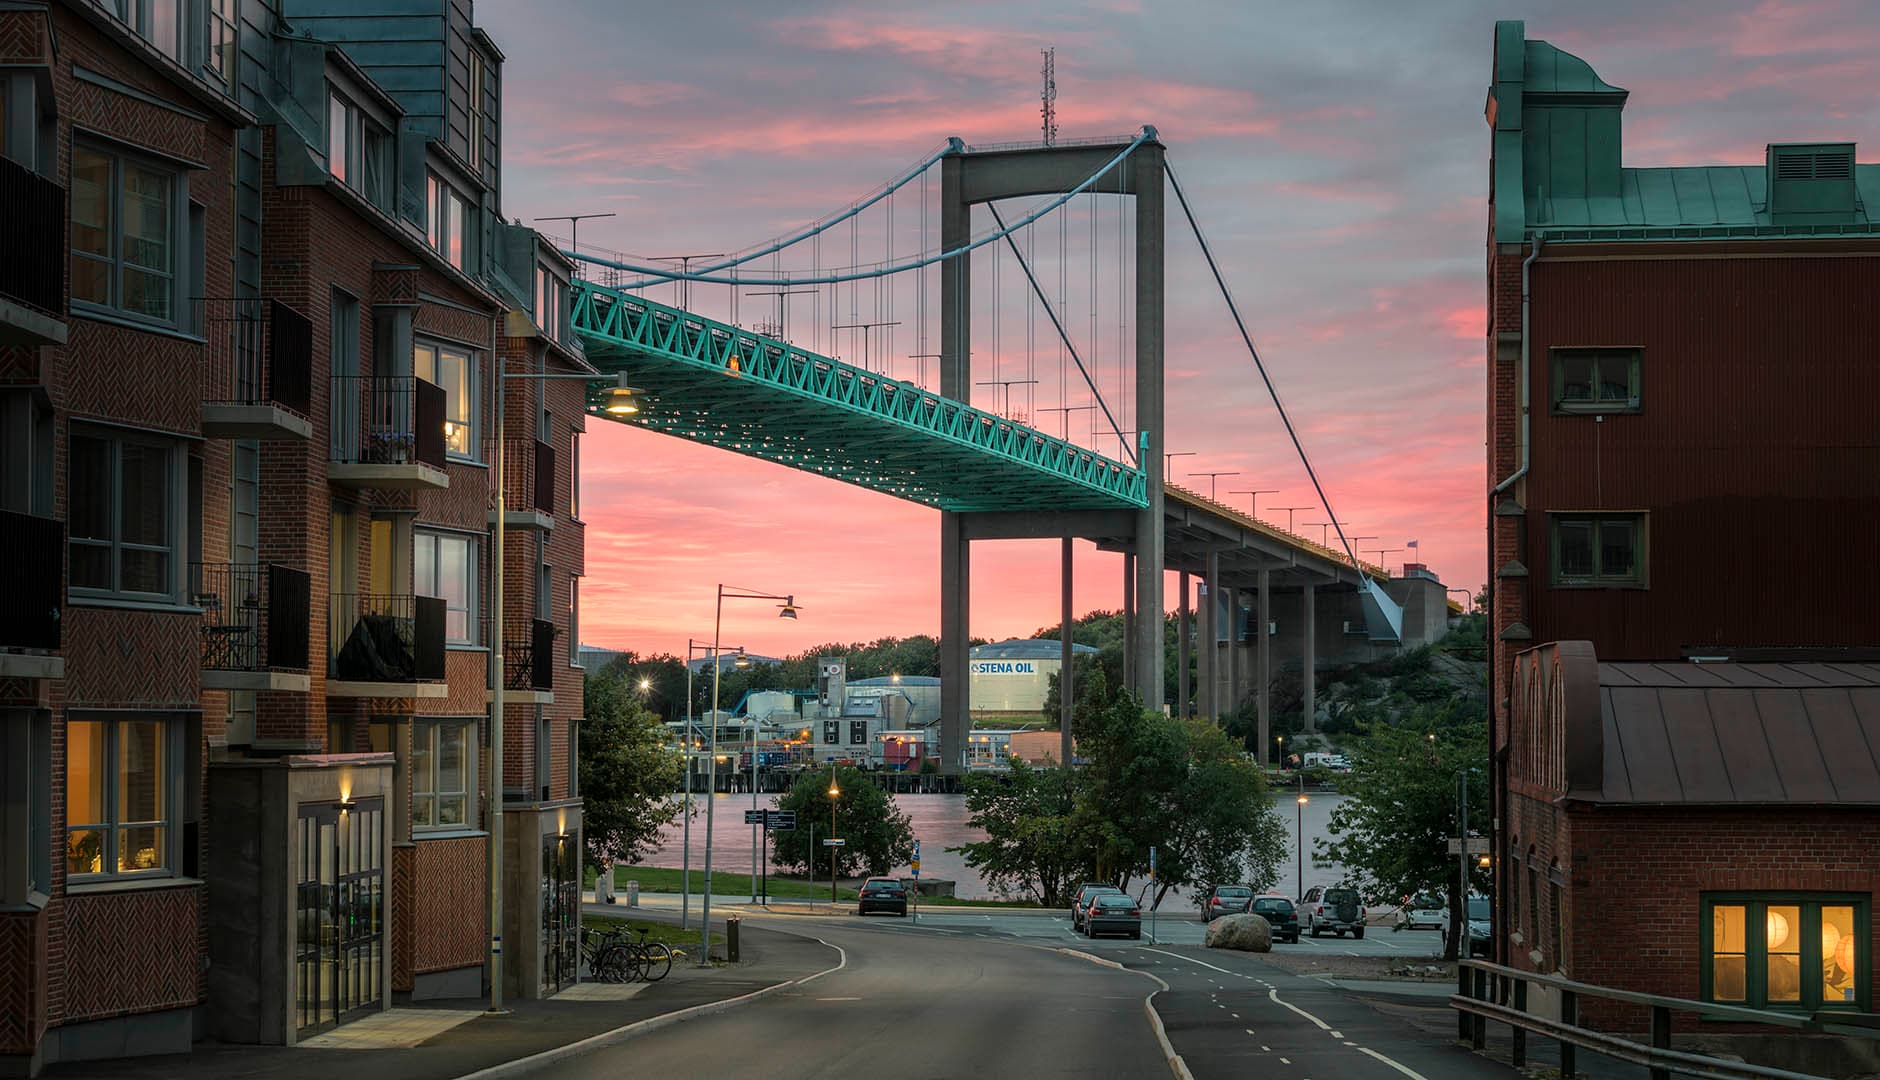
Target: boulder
(1247, 933)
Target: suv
(1279, 914)
(1335, 908)
(882, 894)
(1225, 900)
(1080, 902)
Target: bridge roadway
(942, 999)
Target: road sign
(1152, 863)
(780, 819)
(916, 862)
(837, 842)
(754, 817)
(1478, 845)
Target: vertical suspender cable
(1260, 365)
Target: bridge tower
(969, 177)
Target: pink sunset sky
(1337, 157)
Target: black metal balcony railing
(260, 352)
(32, 554)
(528, 473)
(387, 420)
(254, 617)
(375, 637)
(32, 234)
(529, 663)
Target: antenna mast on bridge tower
(1049, 96)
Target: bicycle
(611, 955)
(654, 958)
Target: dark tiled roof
(1793, 733)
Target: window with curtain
(1596, 380)
(1786, 950)
(454, 369)
(443, 773)
(119, 795)
(444, 565)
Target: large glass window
(118, 796)
(1599, 549)
(223, 43)
(455, 370)
(1795, 950)
(443, 773)
(450, 222)
(124, 234)
(122, 519)
(358, 151)
(550, 301)
(1596, 380)
(445, 565)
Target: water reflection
(940, 823)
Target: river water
(940, 823)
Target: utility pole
(783, 310)
(1169, 456)
(574, 225)
(1253, 504)
(864, 327)
(681, 287)
(1049, 95)
(1005, 410)
(1067, 410)
(1213, 479)
(1289, 514)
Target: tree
(1393, 832)
(880, 835)
(1030, 843)
(627, 772)
(1228, 831)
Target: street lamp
(834, 794)
(788, 611)
(1253, 503)
(1302, 834)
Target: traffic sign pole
(917, 882)
(1152, 904)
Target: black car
(1225, 900)
(1080, 903)
(1280, 914)
(882, 894)
(1478, 928)
(1113, 913)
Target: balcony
(528, 484)
(260, 381)
(385, 646)
(32, 275)
(32, 561)
(255, 621)
(529, 665)
(388, 433)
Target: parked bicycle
(614, 956)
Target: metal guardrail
(255, 616)
(1487, 991)
(32, 233)
(375, 637)
(387, 420)
(530, 661)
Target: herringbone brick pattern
(450, 910)
(131, 952)
(25, 38)
(403, 935)
(119, 659)
(22, 992)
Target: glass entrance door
(339, 952)
(561, 912)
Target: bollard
(731, 939)
(633, 894)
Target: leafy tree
(1392, 834)
(1136, 762)
(627, 772)
(1227, 832)
(1030, 843)
(880, 835)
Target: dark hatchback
(1113, 913)
(1225, 900)
(1280, 914)
(1080, 904)
(882, 894)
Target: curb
(1176, 1065)
(646, 1026)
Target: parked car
(1332, 762)
(1280, 914)
(1478, 927)
(882, 894)
(1225, 900)
(1113, 913)
(1425, 911)
(1080, 903)
(1336, 908)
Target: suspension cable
(656, 275)
(1260, 365)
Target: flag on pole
(1409, 543)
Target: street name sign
(1478, 845)
(780, 819)
(837, 842)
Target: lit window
(574, 475)
(550, 302)
(443, 774)
(456, 371)
(358, 151)
(118, 796)
(1796, 950)
(124, 234)
(1599, 549)
(340, 124)
(450, 223)
(123, 517)
(444, 565)
(1596, 380)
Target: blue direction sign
(754, 817)
(837, 842)
(780, 819)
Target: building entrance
(339, 940)
(561, 912)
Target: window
(858, 732)
(119, 791)
(1796, 950)
(574, 621)
(124, 234)
(475, 155)
(832, 732)
(574, 476)
(223, 43)
(125, 493)
(455, 370)
(163, 23)
(25, 805)
(443, 773)
(358, 151)
(1599, 549)
(449, 220)
(445, 565)
(1596, 380)
(551, 303)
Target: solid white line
(1176, 1065)
(1190, 959)
(1411, 1073)
(1274, 996)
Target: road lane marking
(1285, 1061)
(1411, 1073)
(1273, 995)
(1190, 959)
(839, 999)
(1338, 1034)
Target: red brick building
(1682, 452)
(249, 439)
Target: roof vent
(1811, 183)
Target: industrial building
(1681, 436)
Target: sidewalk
(531, 1027)
(739, 903)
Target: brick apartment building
(1684, 455)
(256, 306)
